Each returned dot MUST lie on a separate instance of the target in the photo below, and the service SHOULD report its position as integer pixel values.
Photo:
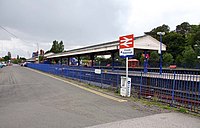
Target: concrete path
(164, 120)
(32, 100)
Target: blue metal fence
(173, 88)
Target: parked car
(24, 64)
(1, 65)
(4, 64)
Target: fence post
(80, 69)
(140, 85)
(172, 103)
(117, 81)
(101, 77)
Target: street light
(160, 50)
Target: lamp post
(160, 49)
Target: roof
(48, 54)
(133, 60)
(142, 42)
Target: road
(29, 99)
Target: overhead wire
(13, 35)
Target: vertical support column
(68, 61)
(145, 61)
(113, 60)
(61, 59)
(92, 58)
(78, 60)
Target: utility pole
(38, 53)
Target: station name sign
(126, 46)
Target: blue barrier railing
(175, 89)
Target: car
(1, 65)
(24, 64)
(4, 64)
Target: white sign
(125, 89)
(126, 52)
(126, 45)
(97, 71)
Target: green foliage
(179, 60)
(175, 43)
(167, 59)
(154, 59)
(163, 28)
(15, 61)
(141, 60)
(183, 110)
(183, 28)
(41, 58)
(189, 57)
(119, 59)
(57, 47)
(183, 44)
(6, 58)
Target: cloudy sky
(82, 23)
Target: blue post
(173, 89)
(160, 54)
(145, 61)
(113, 60)
(101, 78)
(118, 81)
(140, 85)
(199, 92)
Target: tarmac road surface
(32, 100)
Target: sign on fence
(97, 71)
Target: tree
(153, 32)
(167, 59)
(57, 47)
(197, 47)
(183, 28)
(179, 60)
(154, 59)
(9, 55)
(189, 57)
(141, 60)
(175, 43)
(41, 58)
(6, 58)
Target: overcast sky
(82, 23)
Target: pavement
(29, 99)
(163, 120)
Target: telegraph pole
(38, 53)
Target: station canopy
(145, 42)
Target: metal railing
(173, 88)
